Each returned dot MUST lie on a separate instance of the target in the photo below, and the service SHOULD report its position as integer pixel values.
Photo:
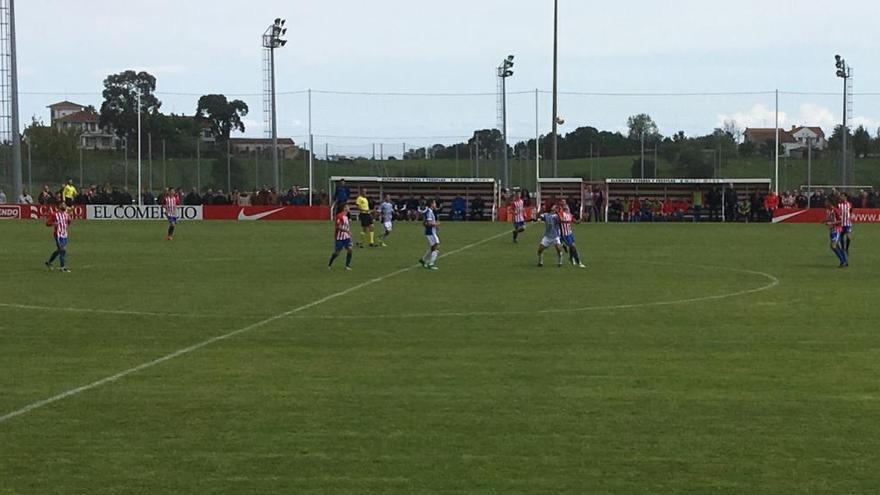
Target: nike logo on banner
(257, 216)
(783, 218)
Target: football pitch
(687, 358)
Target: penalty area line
(186, 350)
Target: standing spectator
(771, 204)
(192, 198)
(698, 204)
(588, 204)
(45, 196)
(2, 197)
(25, 198)
(341, 195)
(730, 200)
(147, 197)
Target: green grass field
(686, 359)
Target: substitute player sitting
(60, 221)
(342, 236)
(517, 211)
(551, 236)
(566, 219)
(171, 204)
(429, 259)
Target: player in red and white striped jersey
(59, 221)
(833, 220)
(171, 205)
(845, 208)
(517, 211)
(566, 219)
(342, 236)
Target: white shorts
(433, 239)
(550, 241)
(387, 226)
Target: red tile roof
(762, 135)
(83, 116)
(66, 104)
(261, 141)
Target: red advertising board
(37, 212)
(251, 213)
(817, 215)
(10, 212)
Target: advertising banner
(267, 212)
(817, 215)
(135, 212)
(10, 212)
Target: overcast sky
(66, 48)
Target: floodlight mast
(505, 71)
(844, 72)
(272, 40)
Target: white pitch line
(101, 311)
(186, 350)
(773, 283)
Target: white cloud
(816, 115)
(870, 124)
(155, 70)
(759, 115)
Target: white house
(68, 116)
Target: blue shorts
(172, 219)
(343, 244)
(835, 236)
(568, 240)
(519, 225)
(847, 230)
(61, 242)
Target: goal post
(446, 190)
(569, 188)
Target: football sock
(434, 255)
(574, 254)
(348, 258)
(515, 234)
(541, 257)
(372, 237)
(559, 258)
(843, 257)
(62, 256)
(333, 258)
(54, 255)
(840, 255)
(846, 247)
(170, 230)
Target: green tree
(861, 141)
(636, 168)
(52, 148)
(642, 124)
(835, 142)
(692, 164)
(224, 116)
(119, 109)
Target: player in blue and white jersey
(386, 213)
(429, 259)
(551, 236)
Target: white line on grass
(186, 350)
(773, 282)
(101, 311)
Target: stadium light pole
(140, 163)
(555, 93)
(505, 71)
(15, 132)
(844, 72)
(271, 41)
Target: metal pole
(655, 160)
(164, 167)
(381, 151)
(311, 153)
(199, 164)
(506, 171)
(150, 160)
(256, 167)
(537, 143)
(15, 132)
(229, 168)
(125, 162)
(30, 168)
(555, 95)
(276, 170)
(845, 131)
(776, 149)
(809, 169)
(80, 165)
(642, 139)
(139, 193)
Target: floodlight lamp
(283, 21)
(283, 31)
(282, 42)
(837, 58)
(277, 21)
(510, 58)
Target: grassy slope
(770, 392)
(102, 167)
